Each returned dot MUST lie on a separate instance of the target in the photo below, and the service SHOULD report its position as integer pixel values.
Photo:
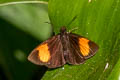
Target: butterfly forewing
(80, 49)
(49, 53)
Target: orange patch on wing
(84, 46)
(44, 53)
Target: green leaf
(115, 74)
(99, 20)
(21, 26)
(30, 18)
(12, 2)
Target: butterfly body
(63, 48)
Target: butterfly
(65, 47)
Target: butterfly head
(63, 30)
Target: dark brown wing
(80, 49)
(49, 53)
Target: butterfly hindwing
(73, 53)
(56, 50)
(48, 53)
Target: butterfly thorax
(64, 37)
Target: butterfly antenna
(73, 29)
(48, 22)
(72, 20)
(71, 23)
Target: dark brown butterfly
(65, 47)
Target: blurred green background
(22, 28)
(24, 25)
